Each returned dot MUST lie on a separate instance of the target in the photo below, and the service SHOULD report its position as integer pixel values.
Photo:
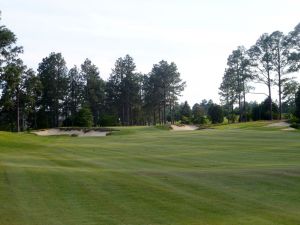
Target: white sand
(289, 129)
(284, 125)
(279, 124)
(79, 133)
(184, 128)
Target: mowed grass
(142, 175)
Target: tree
(8, 48)
(94, 93)
(198, 116)
(32, 92)
(215, 114)
(228, 93)
(297, 104)
(262, 111)
(165, 85)
(294, 42)
(280, 64)
(186, 112)
(84, 118)
(124, 90)
(261, 62)
(76, 88)
(235, 81)
(288, 96)
(11, 92)
(239, 69)
(11, 69)
(52, 72)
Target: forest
(55, 96)
(272, 61)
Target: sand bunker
(284, 125)
(79, 133)
(184, 128)
(279, 124)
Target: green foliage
(297, 104)
(262, 111)
(94, 90)
(84, 118)
(109, 120)
(162, 87)
(123, 91)
(198, 114)
(215, 113)
(185, 120)
(186, 113)
(52, 72)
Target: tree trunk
(270, 96)
(123, 114)
(164, 118)
(244, 106)
(159, 115)
(279, 83)
(240, 109)
(18, 110)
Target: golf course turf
(247, 174)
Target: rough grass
(144, 175)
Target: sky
(198, 35)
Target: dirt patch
(70, 132)
(184, 128)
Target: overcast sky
(198, 35)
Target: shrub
(262, 111)
(185, 120)
(215, 114)
(109, 120)
(84, 118)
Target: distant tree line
(270, 61)
(55, 96)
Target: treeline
(271, 61)
(54, 96)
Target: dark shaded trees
(12, 93)
(162, 89)
(52, 72)
(76, 91)
(32, 92)
(11, 70)
(83, 118)
(288, 96)
(94, 89)
(297, 104)
(228, 93)
(280, 63)
(215, 114)
(235, 81)
(123, 91)
(185, 112)
(261, 62)
(294, 56)
(198, 114)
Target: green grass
(144, 175)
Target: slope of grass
(144, 175)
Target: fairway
(147, 176)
